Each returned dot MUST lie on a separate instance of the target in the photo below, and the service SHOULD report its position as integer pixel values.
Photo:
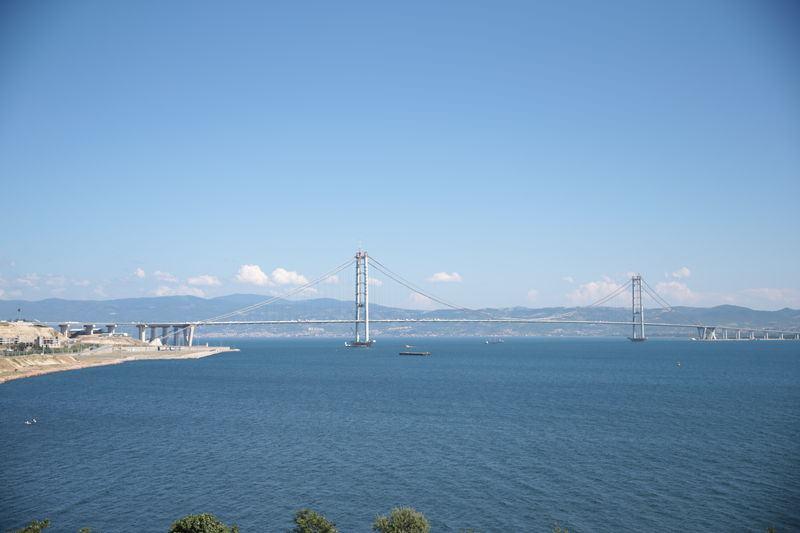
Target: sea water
(593, 434)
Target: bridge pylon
(362, 303)
(637, 309)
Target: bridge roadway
(703, 329)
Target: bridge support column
(153, 333)
(752, 335)
(64, 328)
(111, 328)
(362, 302)
(637, 309)
(725, 334)
(188, 334)
(707, 333)
(141, 328)
(88, 329)
(176, 335)
(738, 334)
(164, 334)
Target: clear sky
(540, 151)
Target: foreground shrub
(34, 527)
(402, 520)
(308, 521)
(201, 523)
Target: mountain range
(191, 308)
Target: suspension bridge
(183, 332)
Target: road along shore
(25, 366)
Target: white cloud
(281, 276)
(252, 275)
(568, 279)
(676, 292)
(375, 282)
(81, 282)
(773, 298)
(331, 280)
(445, 277)
(588, 293)
(182, 290)
(308, 291)
(419, 301)
(165, 276)
(29, 280)
(205, 280)
(682, 272)
(100, 291)
(533, 294)
(139, 273)
(55, 281)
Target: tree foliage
(35, 526)
(201, 523)
(308, 521)
(402, 520)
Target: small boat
(359, 344)
(408, 346)
(415, 353)
(496, 340)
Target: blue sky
(541, 151)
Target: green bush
(402, 520)
(34, 527)
(201, 523)
(308, 521)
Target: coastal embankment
(25, 366)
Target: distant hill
(189, 308)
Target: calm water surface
(599, 435)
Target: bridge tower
(637, 309)
(362, 303)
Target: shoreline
(28, 366)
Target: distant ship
(359, 344)
(415, 353)
(496, 340)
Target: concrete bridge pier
(752, 335)
(188, 334)
(141, 328)
(707, 333)
(738, 334)
(165, 334)
(153, 333)
(111, 328)
(64, 328)
(88, 329)
(176, 335)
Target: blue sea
(592, 434)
